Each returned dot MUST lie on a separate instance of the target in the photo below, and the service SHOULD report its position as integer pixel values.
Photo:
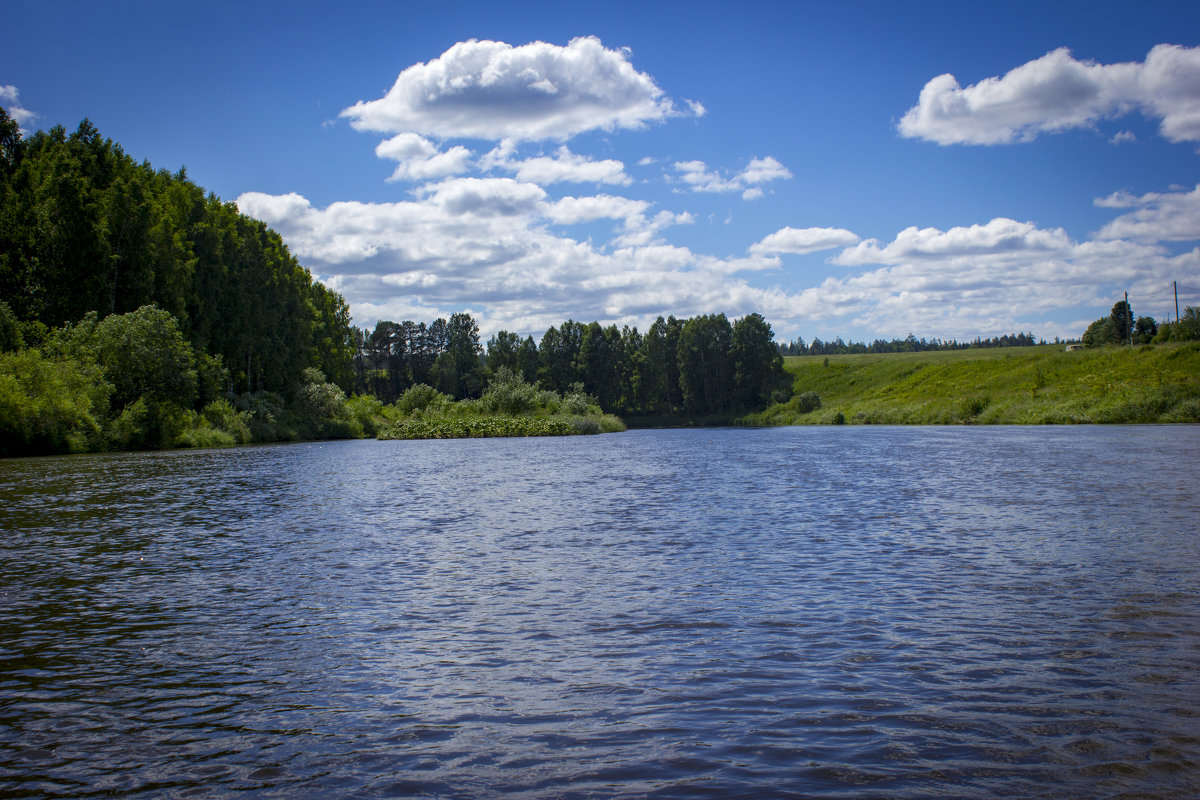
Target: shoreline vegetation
(139, 313)
(509, 407)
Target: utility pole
(1176, 285)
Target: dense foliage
(137, 312)
(85, 229)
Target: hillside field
(1000, 386)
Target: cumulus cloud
(638, 227)
(980, 279)
(420, 159)
(494, 246)
(803, 240)
(488, 245)
(700, 178)
(573, 210)
(1157, 216)
(1057, 92)
(10, 99)
(1001, 239)
(493, 90)
(563, 167)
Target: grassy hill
(1009, 386)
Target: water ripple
(837, 613)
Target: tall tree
(558, 356)
(757, 365)
(705, 364)
(527, 359)
(502, 350)
(602, 364)
(1122, 319)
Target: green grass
(1002, 386)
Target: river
(850, 612)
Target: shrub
(579, 403)
(221, 414)
(508, 393)
(147, 425)
(268, 419)
(420, 397)
(50, 405)
(370, 413)
(808, 402)
(199, 432)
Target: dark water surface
(804, 612)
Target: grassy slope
(1019, 385)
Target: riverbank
(1010, 386)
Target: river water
(847, 612)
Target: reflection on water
(839, 612)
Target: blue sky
(534, 162)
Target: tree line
(909, 344)
(705, 365)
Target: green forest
(137, 311)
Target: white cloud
(697, 175)
(1159, 216)
(1057, 92)
(981, 279)
(1000, 239)
(492, 246)
(484, 197)
(492, 90)
(573, 210)
(10, 99)
(563, 167)
(420, 159)
(485, 244)
(762, 170)
(803, 240)
(700, 178)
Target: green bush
(807, 402)
(50, 405)
(370, 413)
(268, 417)
(221, 414)
(199, 432)
(421, 397)
(147, 425)
(508, 393)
